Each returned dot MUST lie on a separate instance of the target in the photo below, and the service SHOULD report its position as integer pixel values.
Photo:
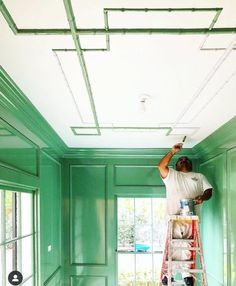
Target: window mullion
(152, 229)
(14, 230)
(134, 244)
(19, 233)
(36, 266)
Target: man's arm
(164, 162)
(204, 197)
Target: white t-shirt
(181, 185)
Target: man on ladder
(180, 184)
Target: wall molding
(77, 277)
(47, 282)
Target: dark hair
(185, 162)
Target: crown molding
(132, 153)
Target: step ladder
(170, 266)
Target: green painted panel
(16, 150)
(88, 281)
(50, 216)
(232, 213)
(213, 224)
(137, 176)
(88, 210)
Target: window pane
(11, 258)
(26, 213)
(29, 282)
(125, 224)
(126, 269)
(159, 209)
(9, 214)
(143, 235)
(143, 269)
(159, 224)
(126, 210)
(2, 265)
(143, 211)
(25, 246)
(157, 266)
(126, 237)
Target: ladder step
(181, 261)
(178, 282)
(186, 248)
(183, 218)
(190, 270)
(182, 240)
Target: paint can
(187, 207)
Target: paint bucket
(187, 207)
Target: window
(16, 235)
(141, 234)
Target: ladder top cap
(183, 217)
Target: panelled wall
(218, 162)
(26, 140)
(92, 184)
(50, 221)
(25, 169)
(214, 228)
(220, 227)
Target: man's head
(184, 164)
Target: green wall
(214, 229)
(36, 171)
(50, 220)
(30, 152)
(94, 180)
(231, 180)
(91, 185)
(218, 162)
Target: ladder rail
(195, 247)
(164, 254)
(170, 253)
(204, 278)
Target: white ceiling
(190, 91)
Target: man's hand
(204, 197)
(163, 164)
(177, 148)
(198, 200)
